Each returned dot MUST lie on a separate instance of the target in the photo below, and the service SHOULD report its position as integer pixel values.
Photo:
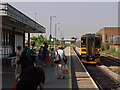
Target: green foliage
(99, 34)
(39, 40)
(111, 51)
(107, 46)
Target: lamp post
(55, 35)
(51, 26)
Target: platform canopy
(12, 17)
(69, 40)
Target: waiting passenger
(24, 60)
(46, 58)
(60, 65)
(52, 56)
(32, 78)
(18, 67)
(31, 54)
(40, 56)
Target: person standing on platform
(46, 58)
(18, 66)
(60, 65)
(40, 56)
(52, 56)
(31, 54)
(24, 60)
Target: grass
(111, 51)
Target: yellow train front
(90, 48)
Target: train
(90, 48)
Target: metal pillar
(28, 39)
(24, 39)
(13, 41)
(55, 36)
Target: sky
(75, 18)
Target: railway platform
(82, 77)
(77, 74)
(77, 77)
(51, 79)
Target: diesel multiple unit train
(90, 48)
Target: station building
(108, 32)
(13, 26)
(111, 35)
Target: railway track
(101, 79)
(113, 66)
(109, 61)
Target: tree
(99, 34)
(40, 40)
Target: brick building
(111, 35)
(108, 32)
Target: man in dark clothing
(45, 49)
(45, 52)
(24, 60)
(40, 56)
(31, 54)
(32, 78)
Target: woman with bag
(59, 63)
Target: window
(83, 42)
(97, 42)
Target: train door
(90, 46)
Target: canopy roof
(12, 17)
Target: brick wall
(108, 32)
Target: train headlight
(98, 49)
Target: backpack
(28, 54)
(57, 59)
(29, 57)
(65, 58)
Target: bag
(28, 54)
(57, 59)
(14, 86)
(66, 69)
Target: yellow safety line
(70, 76)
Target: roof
(69, 40)
(112, 27)
(9, 12)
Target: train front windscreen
(83, 42)
(97, 42)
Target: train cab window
(97, 42)
(83, 42)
